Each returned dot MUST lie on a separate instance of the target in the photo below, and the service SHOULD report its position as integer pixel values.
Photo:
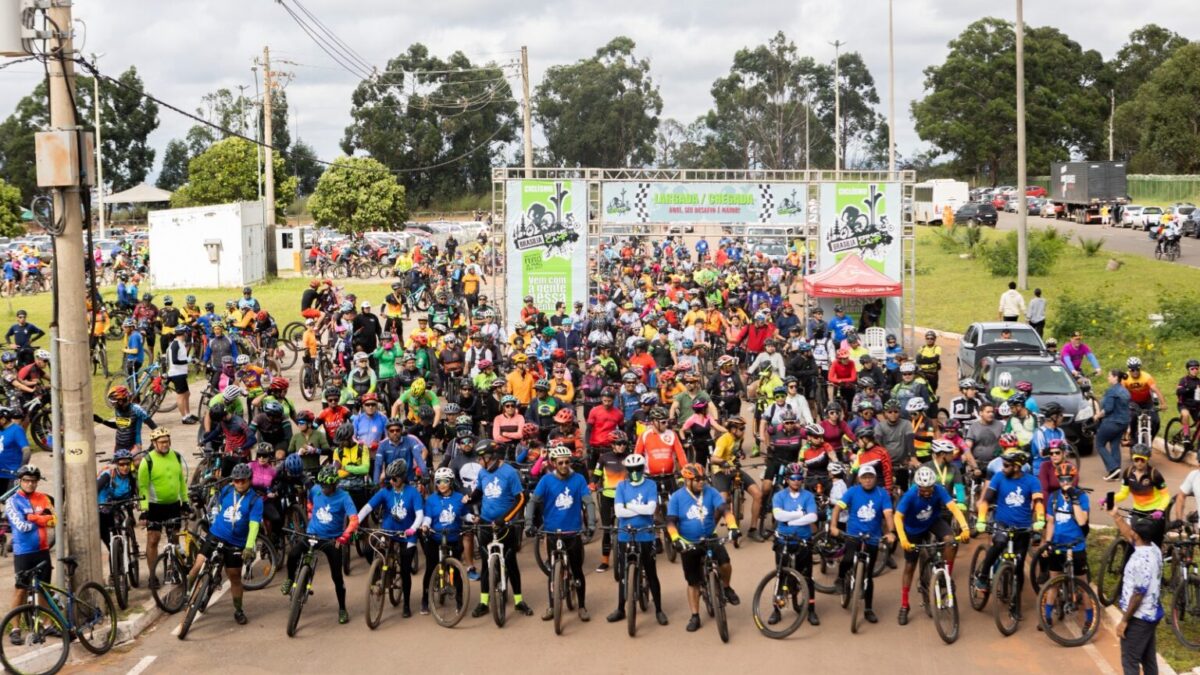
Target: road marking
(141, 665)
(211, 601)
(1090, 650)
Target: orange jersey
(663, 452)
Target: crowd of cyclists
(633, 416)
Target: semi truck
(1080, 190)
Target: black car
(977, 213)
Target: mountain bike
(633, 575)
(936, 588)
(384, 575)
(1072, 600)
(562, 580)
(712, 591)
(854, 583)
(1002, 580)
(1176, 443)
(100, 356)
(660, 517)
(147, 387)
(38, 634)
(449, 592)
(122, 551)
(206, 584)
(497, 568)
(173, 565)
(782, 589)
(1184, 612)
(1112, 565)
(302, 586)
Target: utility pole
(837, 104)
(268, 166)
(1022, 208)
(1112, 113)
(891, 94)
(807, 119)
(527, 110)
(99, 146)
(257, 136)
(78, 477)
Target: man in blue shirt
(795, 511)
(919, 520)
(870, 509)
(403, 512)
(634, 502)
(501, 500)
(1052, 415)
(838, 324)
(1069, 511)
(692, 515)
(399, 445)
(1019, 504)
(370, 424)
(14, 447)
(445, 513)
(21, 336)
(134, 349)
(332, 521)
(558, 508)
(236, 517)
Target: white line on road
(211, 601)
(141, 665)
(1090, 650)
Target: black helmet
(1051, 409)
(395, 422)
(29, 470)
(486, 447)
(241, 472)
(344, 434)
(273, 409)
(264, 449)
(658, 414)
(209, 306)
(425, 413)
(398, 468)
(217, 412)
(246, 289)
(331, 392)
(866, 432)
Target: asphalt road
(1121, 240)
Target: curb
(1191, 458)
(941, 333)
(129, 629)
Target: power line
(352, 68)
(348, 49)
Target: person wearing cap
(1075, 352)
(365, 329)
(839, 324)
(870, 509)
(1019, 504)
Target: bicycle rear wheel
(449, 593)
(1108, 583)
(1004, 587)
(95, 618)
(784, 592)
(258, 574)
(42, 643)
(979, 597)
(308, 382)
(376, 595)
(171, 594)
(1074, 601)
(1185, 610)
(718, 603)
(299, 597)
(116, 571)
(1175, 442)
(196, 603)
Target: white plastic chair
(875, 340)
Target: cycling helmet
(1133, 362)
(865, 382)
(1140, 450)
(273, 409)
(29, 470)
(795, 471)
(328, 475)
(1013, 457)
(1051, 409)
(915, 404)
(293, 465)
(508, 399)
(487, 448)
(1025, 387)
(425, 413)
(687, 343)
(168, 300)
(952, 426)
(607, 392)
(344, 434)
(925, 477)
(780, 391)
(908, 367)
(209, 306)
(230, 304)
(226, 361)
(930, 335)
(866, 432)
(443, 475)
(891, 404)
(122, 454)
(462, 431)
(967, 383)
(484, 364)
(8, 357)
(1004, 381)
(241, 472)
(692, 472)
(657, 414)
(560, 452)
(242, 360)
(190, 299)
(1193, 363)
(941, 445)
(1009, 441)
(451, 410)
(247, 290)
(331, 392)
(844, 353)
(231, 392)
(542, 385)
(41, 355)
(1017, 399)
(464, 420)
(398, 468)
(865, 405)
(147, 297)
(649, 398)
(564, 416)
(528, 298)
(264, 449)
(161, 432)
(216, 413)
(128, 323)
(118, 394)
(832, 407)
(279, 384)
(814, 430)
(1067, 471)
(629, 377)
(618, 436)
(788, 415)
(634, 462)
(529, 430)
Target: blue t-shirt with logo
(1066, 530)
(1014, 499)
(501, 489)
(697, 515)
(329, 512)
(802, 501)
(233, 514)
(642, 494)
(920, 512)
(445, 514)
(399, 508)
(12, 449)
(562, 501)
(865, 508)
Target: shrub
(1091, 246)
(1045, 247)
(1180, 318)
(1092, 314)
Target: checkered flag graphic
(641, 202)
(766, 200)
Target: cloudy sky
(186, 49)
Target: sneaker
(602, 567)
(661, 617)
(891, 562)
(548, 614)
(190, 419)
(15, 637)
(903, 618)
(343, 616)
(479, 610)
(813, 619)
(869, 615)
(424, 608)
(693, 623)
(617, 615)
(754, 452)
(524, 608)
(286, 588)
(473, 575)
(754, 535)
(731, 597)
(240, 617)
(583, 615)
(406, 612)
(775, 617)
(1113, 475)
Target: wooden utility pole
(1112, 114)
(527, 109)
(891, 95)
(268, 166)
(78, 476)
(99, 152)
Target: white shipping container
(223, 245)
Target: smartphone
(1108, 500)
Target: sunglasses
(510, 405)
(1055, 452)
(1140, 459)
(562, 462)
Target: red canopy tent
(851, 278)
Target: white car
(1131, 214)
(1149, 217)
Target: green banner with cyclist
(545, 243)
(863, 219)
(694, 202)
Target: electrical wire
(348, 49)
(352, 68)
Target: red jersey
(602, 422)
(332, 417)
(662, 452)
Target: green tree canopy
(356, 194)
(227, 172)
(10, 210)
(601, 111)
(441, 124)
(1133, 66)
(1163, 119)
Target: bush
(1045, 247)
(1091, 246)
(1093, 315)
(1180, 318)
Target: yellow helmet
(418, 386)
(160, 432)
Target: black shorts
(157, 514)
(232, 554)
(1058, 562)
(24, 564)
(693, 564)
(722, 482)
(937, 532)
(180, 382)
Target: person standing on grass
(1037, 312)
(1012, 303)
(177, 373)
(1140, 602)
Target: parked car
(977, 213)
(1052, 383)
(1191, 223)
(1150, 217)
(1035, 191)
(983, 339)
(999, 202)
(1130, 215)
(1035, 205)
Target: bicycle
(302, 586)
(637, 586)
(1112, 565)
(497, 568)
(660, 517)
(1184, 613)
(779, 587)
(147, 387)
(854, 583)
(1168, 247)
(122, 551)
(448, 585)
(313, 376)
(206, 584)
(562, 581)
(55, 613)
(174, 563)
(935, 580)
(384, 575)
(1002, 580)
(1073, 598)
(1176, 443)
(712, 592)
(100, 356)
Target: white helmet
(242, 360)
(925, 477)
(231, 392)
(942, 445)
(444, 473)
(560, 452)
(1004, 381)
(634, 461)
(915, 404)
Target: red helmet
(558, 354)
(262, 315)
(420, 339)
(1009, 441)
(564, 416)
(368, 397)
(280, 383)
(119, 393)
(529, 430)
(314, 283)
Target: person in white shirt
(1037, 311)
(1012, 304)
(177, 373)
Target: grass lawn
(1181, 658)
(953, 292)
(280, 297)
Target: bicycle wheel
(39, 429)
(116, 571)
(643, 587)
(95, 618)
(633, 590)
(258, 574)
(924, 578)
(784, 592)
(1185, 611)
(1004, 587)
(300, 591)
(735, 505)
(945, 606)
(1175, 442)
(102, 360)
(1158, 252)
(558, 592)
(881, 558)
(498, 601)
(375, 594)
(42, 643)
(1108, 583)
(308, 382)
(449, 593)
(167, 403)
(826, 554)
(1039, 571)
(856, 595)
(196, 602)
(1076, 611)
(979, 597)
(132, 570)
(171, 594)
(539, 554)
(718, 601)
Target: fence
(1151, 189)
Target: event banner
(692, 202)
(545, 231)
(862, 218)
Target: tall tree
(174, 170)
(357, 194)
(970, 105)
(304, 165)
(227, 172)
(10, 210)
(1164, 116)
(601, 111)
(1148, 47)
(441, 124)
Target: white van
(931, 198)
